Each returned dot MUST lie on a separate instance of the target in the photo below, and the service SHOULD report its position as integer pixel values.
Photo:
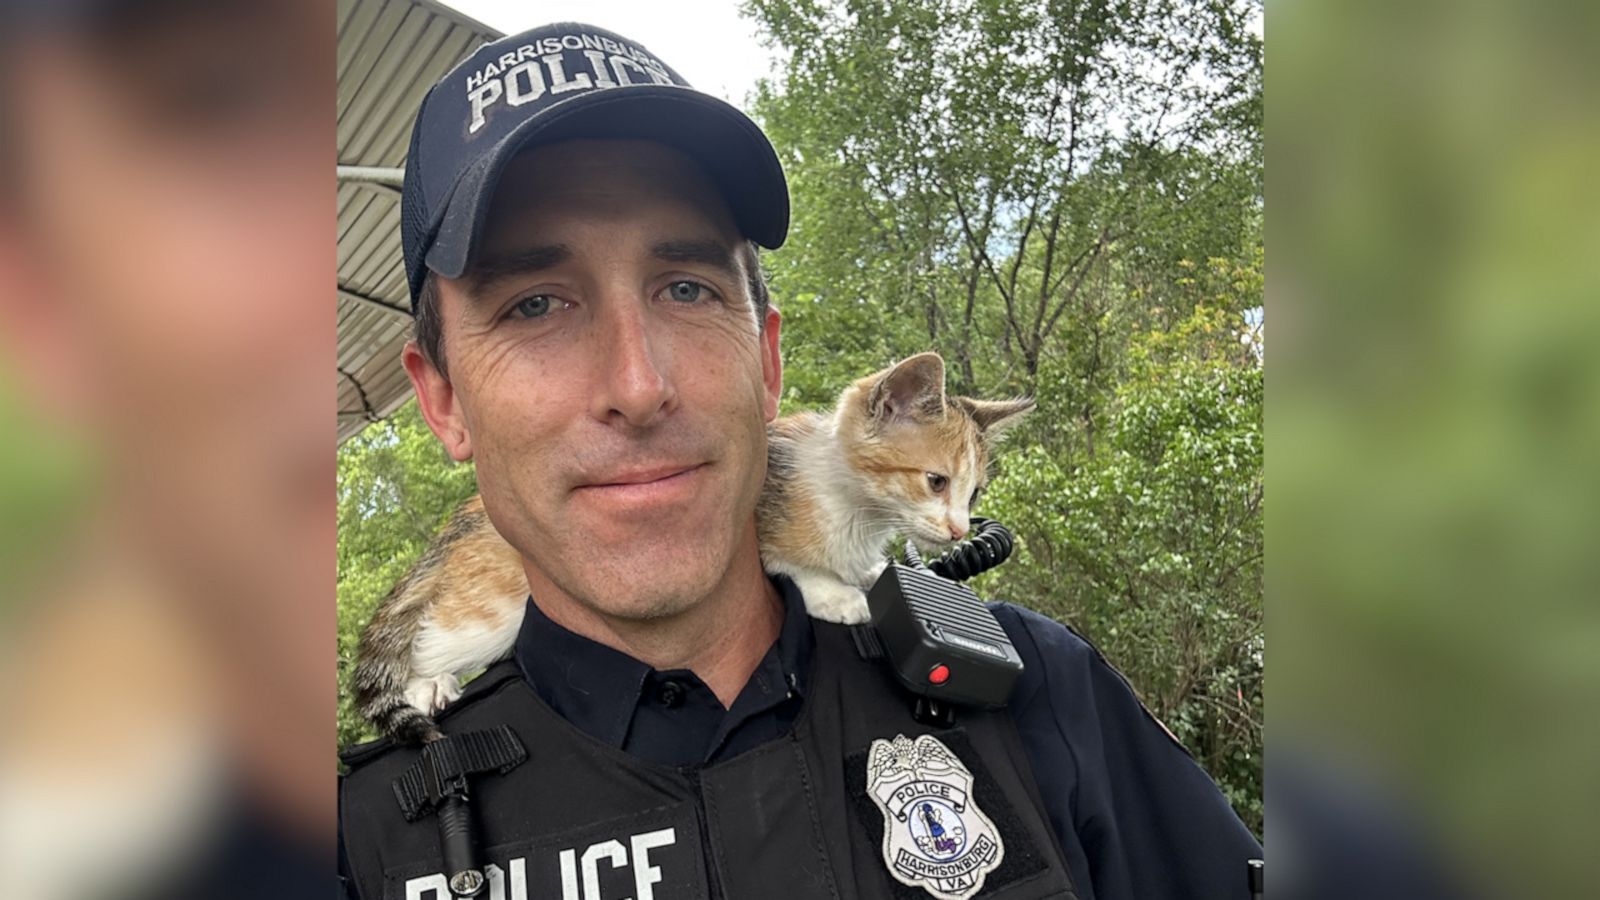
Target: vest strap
(868, 644)
(442, 769)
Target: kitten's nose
(957, 530)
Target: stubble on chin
(637, 587)
(655, 606)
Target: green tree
(965, 170)
(1064, 199)
(1153, 547)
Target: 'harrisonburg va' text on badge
(934, 835)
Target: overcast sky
(705, 40)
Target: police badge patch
(934, 835)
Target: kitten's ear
(911, 391)
(993, 417)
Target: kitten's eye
(685, 291)
(973, 500)
(531, 307)
(937, 483)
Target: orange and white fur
(896, 457)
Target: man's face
(609, 376)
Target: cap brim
(723, 140)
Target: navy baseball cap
(561, 82)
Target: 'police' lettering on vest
(598, 871)
(557, 65)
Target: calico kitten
(895, 457)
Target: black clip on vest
(437, 783)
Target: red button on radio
(939, 674)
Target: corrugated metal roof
(390, 53)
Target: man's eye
(685, 291)
(531, 307)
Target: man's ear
(436, 397)
(772, 361)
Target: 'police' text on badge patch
(934, 835)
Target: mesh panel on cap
(413, 219)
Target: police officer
(579, 228)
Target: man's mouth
(647, 475)
(644, 486)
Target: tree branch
(981, 253)
(1093, 252)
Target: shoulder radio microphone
(942, 642)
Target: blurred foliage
(1065, 201)
(1436, 420)
(47, 477)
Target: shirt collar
(795, 640)
(596, 688)
(589, 684)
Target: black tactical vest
(793, 818)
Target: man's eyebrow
(494, 267)
(710, 253)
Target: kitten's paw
(857, 614)
(834, 601)
(432, 694)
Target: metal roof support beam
(383, 179)
(384, 175)
(393, 309)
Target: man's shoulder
(357, 755)
(1068, 680)
(1054, 657)
(1051, 644)
(1041, 639)
(386, 753)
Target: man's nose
(635, 386)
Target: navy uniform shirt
(667, 717)
(1136, 816)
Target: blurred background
(1434, 425)
(167, 540)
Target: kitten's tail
(383, 668)
(383, 703)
